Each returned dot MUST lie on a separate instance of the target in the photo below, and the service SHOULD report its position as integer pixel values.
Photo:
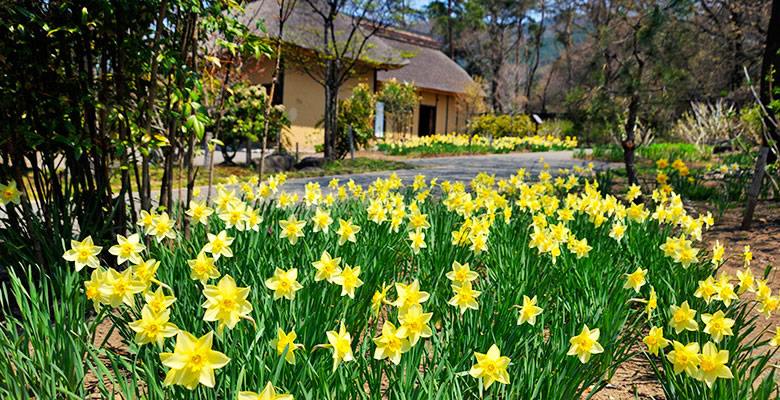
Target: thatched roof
(429, 68)
(304, 29)
(405, 56)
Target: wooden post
(755, 188)
(296, 152)
(351, 144)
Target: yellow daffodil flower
(633, 192)
(192, 361)
(158, 300)
(226, 303)
(379, 298)
(341, 343)
(348, 280)
(120, 287)
(219, 245)
(83, 253)
(145, 272)
(528, 311)
(636, 279)
(461, 273)
(618, 231)
(409, 295)
(347, 231)
(10, 194)
(465, 297)
(286, 341)
(202, 268)
(491, 367)
(321, 221)
(390, 345)
(253, 219)
(284, 283)
(717, 253)
(775, 341)
(199, 212)
(268, 393)
(127, 248)
(234, 215)
(747, 255)
(145, 220)
(92, 287)
(683, 318)
(585, 344)
(327, 267)
(292, 229)
(717, 325)
(712, 364)
(414, 324)
(768, 304)
(162, 227)
(706, 289)
(655, 340)
(417, 238)
(153, 327)
(746, 280)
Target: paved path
(463, 168)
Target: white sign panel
(379, 122)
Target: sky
(419, 4)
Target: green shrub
(244, 118)
(356, 111)
(654, 151)
(673, 151)
(559, 128)
(501, 125)
(400, 100)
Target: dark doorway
(427, 120)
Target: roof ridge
(402, 35)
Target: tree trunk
(449, 30)
(497, 55)
(248, 146)
(207, 153)
(628, 142)
(535, 65)
(330, 122)
(283, 15)
(494, 83)
(769, 65)
(146, 202)
(738, 53)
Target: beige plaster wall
(304, 100)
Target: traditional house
(390, 53)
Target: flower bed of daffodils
(459, 143)
(495, 289)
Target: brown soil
(113, 342)
(634, 379)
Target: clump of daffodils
(403, 309)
